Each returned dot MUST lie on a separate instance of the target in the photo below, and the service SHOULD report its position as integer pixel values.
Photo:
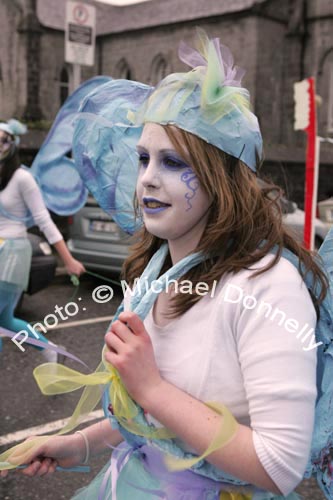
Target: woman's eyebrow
(141, 148)
(169, 151)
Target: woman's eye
(143, 160)
(173, 163)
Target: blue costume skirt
(140, 474)
(15, 262)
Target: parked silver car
(294, 218)
(97, 241)
(325, 209)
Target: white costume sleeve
(279, 370)
(35, 203)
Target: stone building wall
(269, 82)
(12, 54)
(140, 48)
(278, 42)
(319, 54)
(52, 62)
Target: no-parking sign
(80, 33)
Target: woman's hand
(73, 266)
(66, 451)
(131, 353)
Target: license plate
(330, 215)
(104, 226)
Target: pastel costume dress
(19, 201)
(241, 347)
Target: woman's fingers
(53, 466)
(122, 331)
(134, 322)
(32, 469)
(44, 467)
(114, 343)
(40, 467)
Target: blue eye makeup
(143, 159)
(166, 159)
(173, 162)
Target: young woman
(19, 197)
(216, 367)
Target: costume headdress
(14, 128)
(207, 101)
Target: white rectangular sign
(80, 33)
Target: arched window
(64, 85)
(159, 69)
(123, 70)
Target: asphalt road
(23, 406)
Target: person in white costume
(20, 196)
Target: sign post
(305, 119)
(80, 37)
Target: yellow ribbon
(53, 378)
(227, 495)
(224, 435)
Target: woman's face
(6, 142)
(173, 203)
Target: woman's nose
(150, 176)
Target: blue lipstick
(153, 210)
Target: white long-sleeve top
(20, 194)
(251, 347)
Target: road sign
(80, 33)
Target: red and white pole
(306, 119)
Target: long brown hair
(244, 224)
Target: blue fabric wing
(62, 187)
(104, 147)
(94, 124)
(321, 459)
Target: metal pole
(315, 191)
(76, 76)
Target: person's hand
(66, 451)
(131, 353)
(73, 266)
